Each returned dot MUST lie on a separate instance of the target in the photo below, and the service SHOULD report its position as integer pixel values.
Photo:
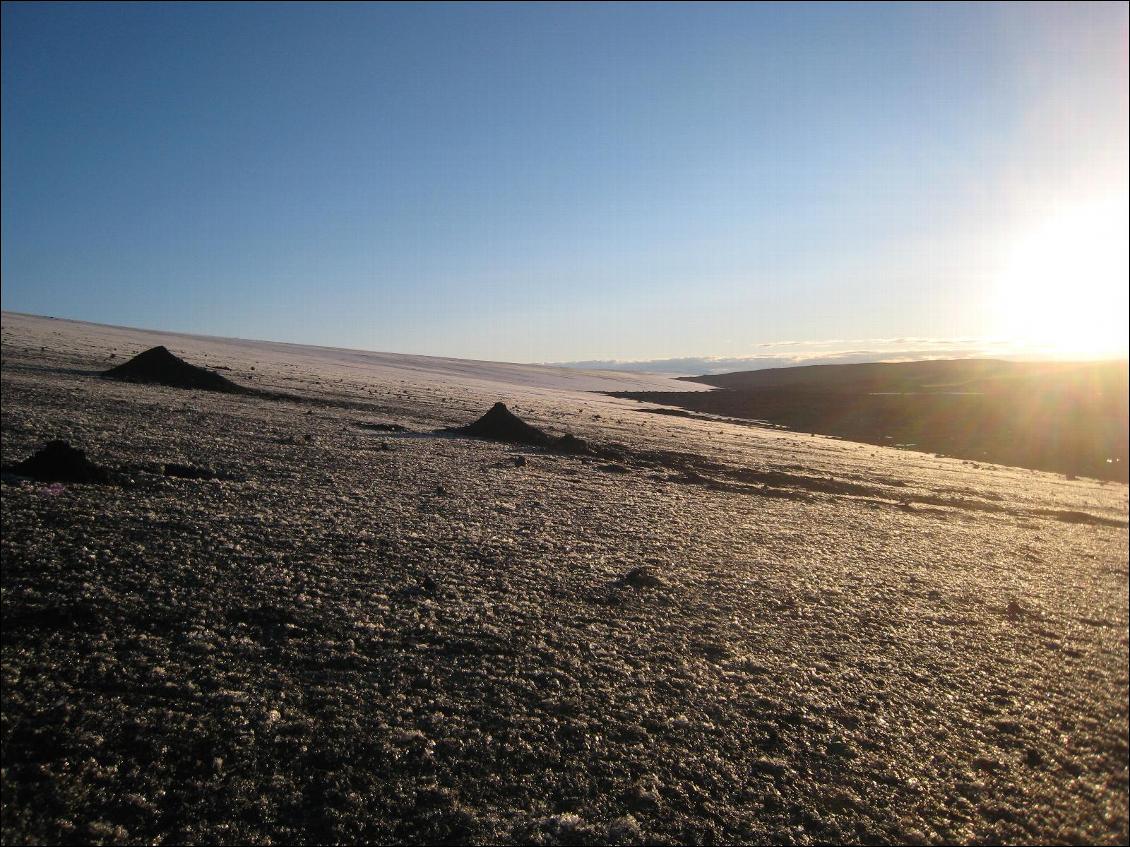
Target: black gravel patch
(157, 366)
(58, 461)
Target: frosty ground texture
(709, 633)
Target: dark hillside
(979, 375)
(1069, 418)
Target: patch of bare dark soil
(158, 366)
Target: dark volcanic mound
(160, 367)
(58, 461)
(500, 424)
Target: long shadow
(692, 469)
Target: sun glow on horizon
(1064, 286)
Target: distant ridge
(932, 375)
(157, 366)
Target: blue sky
(552, 182)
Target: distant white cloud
(785, 354)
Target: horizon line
(853, 352)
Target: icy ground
(355, 634)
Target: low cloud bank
(785, 354)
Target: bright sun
(1064, 289)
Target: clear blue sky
(542, 182)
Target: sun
(1064, 287)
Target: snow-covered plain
(363, 635)
(334, 363)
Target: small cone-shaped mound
(158, 366)
(58, 461)
(500, 424)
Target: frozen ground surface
(401, 637)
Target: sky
(559, 183)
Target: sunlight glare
(1064, 289)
